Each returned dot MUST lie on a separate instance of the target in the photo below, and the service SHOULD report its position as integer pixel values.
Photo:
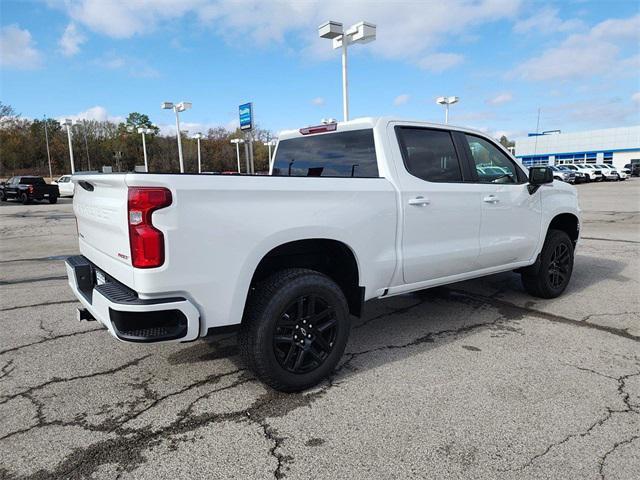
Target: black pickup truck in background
(28, 188)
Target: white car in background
(591, 173)
(65, 185)
(609, 172)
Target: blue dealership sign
(246, 116)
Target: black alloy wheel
(559, 265)
(304, 334)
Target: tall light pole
(362, 32)
(68, 122)
(86, 145)
(446, 101)
(237, 142)
(199, 136)
(46, 137)
(177, 108)
(145, 131)
(269, 144)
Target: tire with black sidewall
(53, 200)
(24, 198)
(267, 307)
(556, 259)
(2, 197)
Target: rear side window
(429, 154)
(342, 154)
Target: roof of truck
(370, 122)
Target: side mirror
(539, 176)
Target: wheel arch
(568, 223)
(331, 257)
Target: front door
(511, 217)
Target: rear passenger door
(441, 211)
(511, 216)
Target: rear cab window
(32, 181)
(342, 154)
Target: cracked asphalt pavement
(475, 380)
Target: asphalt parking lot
(477, 380)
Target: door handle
(491, 199)
(419, 201)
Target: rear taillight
(30, 188)
(147, 242)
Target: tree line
(23, 147)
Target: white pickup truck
(352, 211)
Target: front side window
(492, 165)
(342, 154)
(429, 154)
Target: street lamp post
(46, 137)
(237, 142)
(269, 144)
(199, 136)
(446, 101)
(177, 108)
(68, 122)
(362, 32)
(145, 131)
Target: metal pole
(73, 168)
(269, 146)
(199, 159)
(179, 139)
(238, 155)
(253, 168)
(345, 83)
(446, 113)
(246, 153)
(46, 136)
(144, 150)
(86, 145)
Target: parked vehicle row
(27, 189)
(588, 172)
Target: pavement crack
(609, 239)
(59, 302)
(49, 339)
(6, 398)
(33, 280)
(271, 434)
(6, 369)
(603, 460)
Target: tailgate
(100, 206)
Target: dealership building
(617, 146)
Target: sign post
(245, 112)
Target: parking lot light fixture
(237, 142)
(69, 123)
(198, 136)
(145, 131)
(269, 144)
(361, 32)
(446, 101)
(177, 108)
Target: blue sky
(578, 61)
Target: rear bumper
(128, 317)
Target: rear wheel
(24, 198)
(295, 329)
(53, 199)
(549, 277)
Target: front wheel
(549, 277)
(295, 329)
(2, 197)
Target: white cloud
(134, 67)
(439, 62)
(636, 97)
(547, 21)
(17, 49)
(97, 113)
(406, 30)
(594, 52)
(401, 99)
(318, 101)
(500, 98)
(71, 40)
